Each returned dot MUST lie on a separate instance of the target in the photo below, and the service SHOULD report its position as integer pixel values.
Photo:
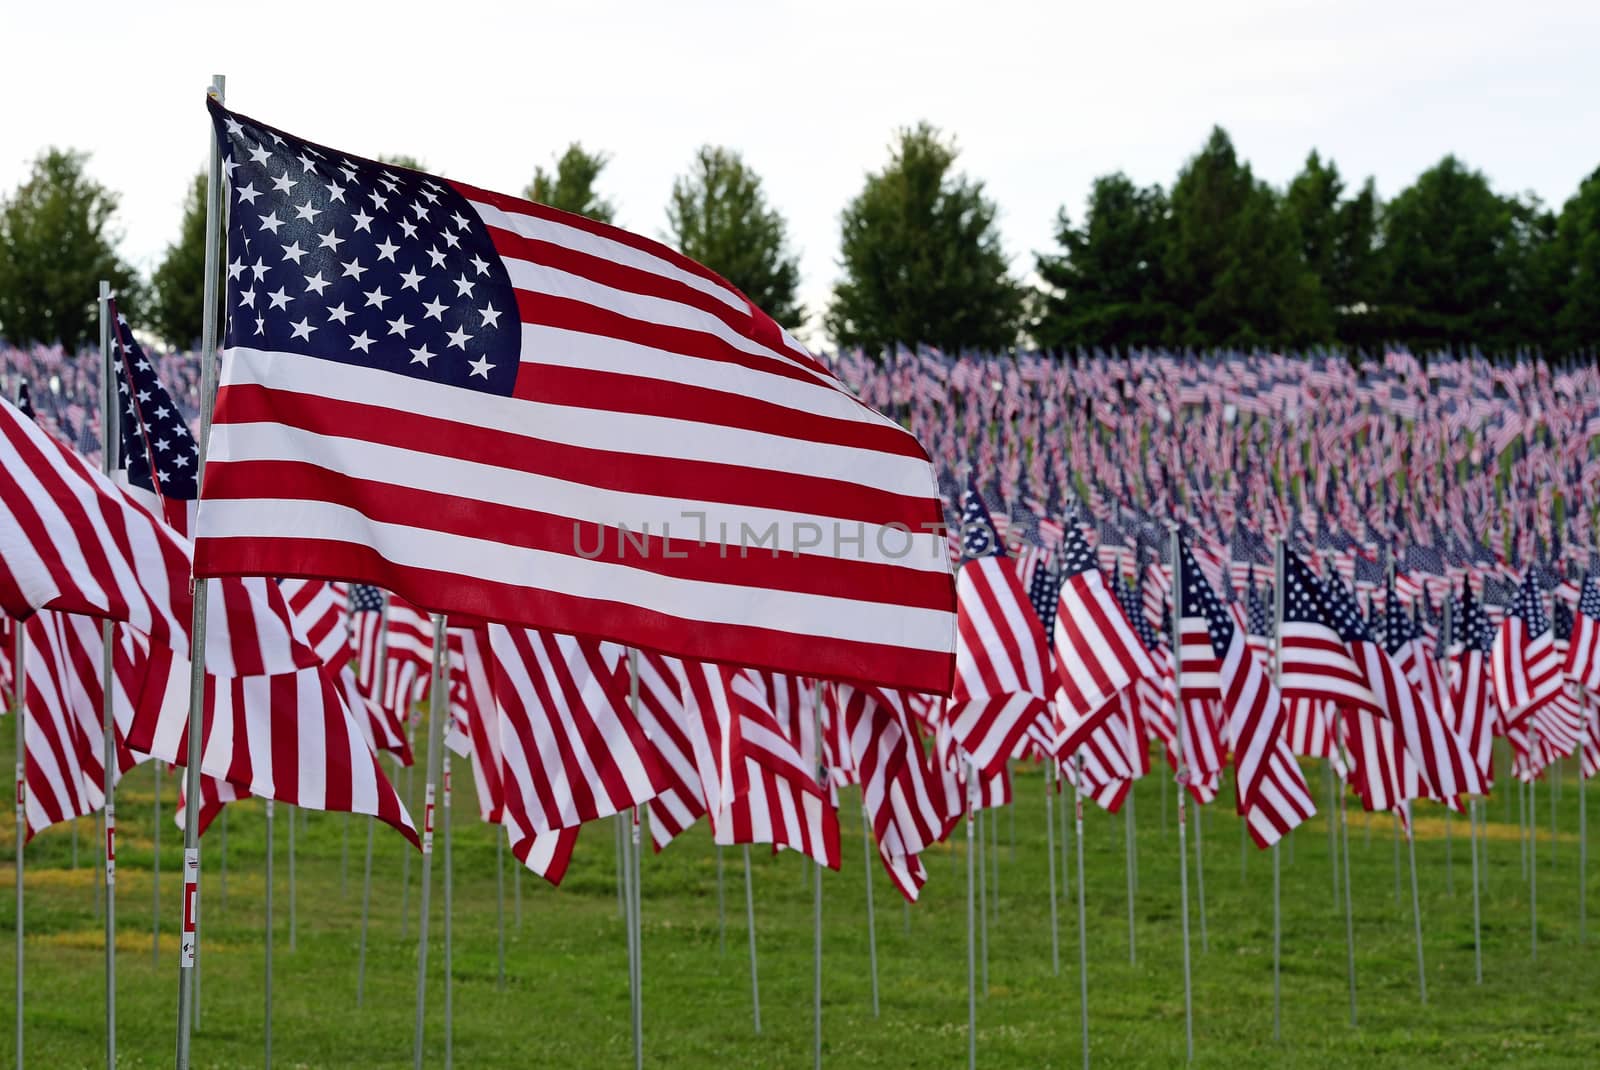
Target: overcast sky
(1042, 96)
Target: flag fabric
(1471, 701)
(322, 609)
(1583, 649)
(1524, 662)
(672, 730)
(1002, 658)
(478, 739)
(408, 362)
(1270, 790)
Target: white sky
(1042, 96)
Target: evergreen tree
(1234, 257)
(1576, 270)
(921, 256)
(177, 285)
(570, 186)
(56, 244)
(718, 216)
(1106, 286)
(1337, 241)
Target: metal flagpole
(155, 872)
(516, 896)
(972, 954)
(1477, 930)
(625, 886)
(1583, 832)
(1183, 774)
(1050, 848)
(872, 921)
(19, 714)
(1533, 853)
(109, 444)
(1244, 853)
(722, 908)
(816, 895)
(993, 824)
(983, 900)
(1416, 903)
(294, 919)
(500, 904)
(1277, 903)
(449, 903)
(621, 852)
(267, 944)
(1200, 877)
(631, 855)
(436, 712)
(1083, 939)
(1395, 837)
(197, 633)
(750, 929)
(1128, 837)
(1333, 833)
(222, 871)
(366, 903)
(1349, 909)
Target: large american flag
(1471, 700)
(495, 408)
(1524, 662)
(1583, 649)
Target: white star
(348, 172)
(233, 126)
(335, 192)
(463, 287)
(409, 227)
(361, 341)
(235, 269)
(458, 338)
(260, 269)
(421, 355)
(279, 298)
(248, 193)
(339, 313)
(302, 329)
(437, 257)
(293, 252)
(479, 265)
(260, 155)
(261, 325)
(480, 366)
(428, 192)
(307, 212)
(491, 316)
(379, 201)
(181, 461)
(399, 326)
(435, 309)
(461, 224)
(363, 220)
(376, 297)
(387, 249)
(306, 163)
(316, 284)
(410, 280)
(450, 239)
(417, 207)
(271, 222)
(353, 269)
(330, 240)
(227, 162)
(162, 445)
(283, 183)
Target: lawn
(564, 1000)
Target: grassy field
(565, 996)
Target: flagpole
(1128, 838)
(19, 714)
(294, 921)
(722, 909)
(1477, 937)
(436, 711)
(1416, 903)
(1083, 939)
(1277, 903)
(1583, 828)
(380, 688)
(972, 955)
(109, 444)
(983, 893)
(1349, 907)
(816, 894)
(632, 855)
(155, 857)
(449, 927)
(500, 905)
(750, 929)
(1533, 853)
(266, 1034)
(1330, 777)
(872, 922)
(1050, 847)
(1183, 808)
(197, 636)
(621, 852)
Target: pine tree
(570, 185)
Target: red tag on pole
(111, 845)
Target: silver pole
(344, 858)
(109, 444)
(1477, 930)
(155, 872)
(294, 918)
(816, 898)
(722, 909)
(436, 712)
(872, 921)
(972, 946)
(1277, 902)
(449, 927)
(19, 715)
(1183, 808)
(983, 895)
(266, 1034)
(1416, 904)
(631, 854)
(516, 896)
(1583, 835)
(1349, 909)
(500, 903)
(222, 871)
(1128, 835)
(1050, 849)
(750, 928)
(1083, 938)
(1533, 857)
(197, 647)
(1333, 832)
(625, 886)
(617, 836)
(366, 905)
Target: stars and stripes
(1524, 661)
(410, 362)
(1471, 699)
(1583, 648)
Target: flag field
(566, 991)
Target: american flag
(1524, 662)
(1583, 649)
(495, 408)
(1002, 657)
(1471, 701)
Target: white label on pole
(111, 846)
(427, 821)
(22, 792)
(191, 905)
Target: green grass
(565, 1000)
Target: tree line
(1220, 258)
